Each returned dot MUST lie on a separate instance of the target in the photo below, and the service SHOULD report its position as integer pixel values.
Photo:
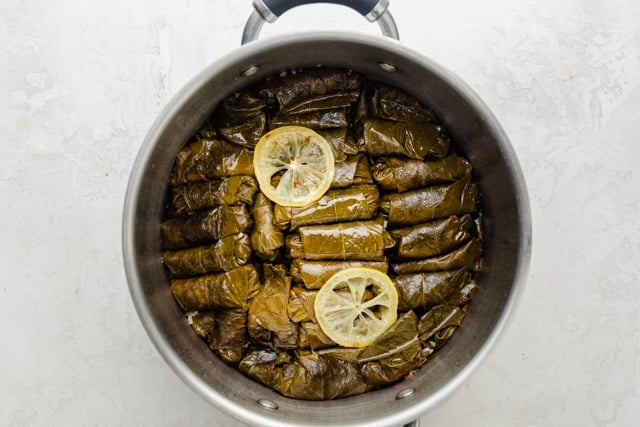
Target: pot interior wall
(477, 135)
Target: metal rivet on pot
(250, 71)
(385, 66)
(405, 392)
(266, 403)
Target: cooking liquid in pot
(246, 271)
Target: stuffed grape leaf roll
(399, 336)
(246, 133)
(395, 366)
(342, 144)
(286, 340)
(412, 139)
(203, 324)
(399, 174)
(433, 238)
(396, 353)
(225, 333)
(209, 159)
(268, 309)
(312, 336)
(438, 325)
(231, 289)
(314, 274)
(325, 119)
(266, 239)
(427, 204)
(308, 376)
(390, 103)
(199, 195)
(349, 204)
(205, 226)
(357, 240)
(268, 323)
(313, 90)
(424, 290)
(354, 170)
(226, 254)
(238, 107)
(325, 102)
(300, 306)
(466, 256)
(229, 336)
(464, 295)
(241, 119)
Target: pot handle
(270, 10)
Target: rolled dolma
(231, 289)
(314, 274)
(464, 295)
(268, 322)
(209, 159)
(247, 133)
(399, 336)
(226, 254)
(398, 174)
(341, 142)
(412, 139)
(237, 108)
(205, 226)
(268, 309)
(241, 119)
(326, 119)
(357, 240)
(438, 325)
(341, 205)
(313, 90)
(427, 204)
(434, 237)
(266, 239)
(354, 170)
(395, 366)
(199, 195)
(203, 324)
(424, 290)
(386, 102)
(294, 246)
(325, 102)
(312, 336)
(466, 256)
(287, 340)
(229, 337)
(282, 340)
(395, 354)
(308, 376)
(300, 306)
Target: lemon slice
(356, 306)
(294, 165)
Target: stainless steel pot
(479, 137)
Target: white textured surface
(81, 82)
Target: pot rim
(234, 62)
